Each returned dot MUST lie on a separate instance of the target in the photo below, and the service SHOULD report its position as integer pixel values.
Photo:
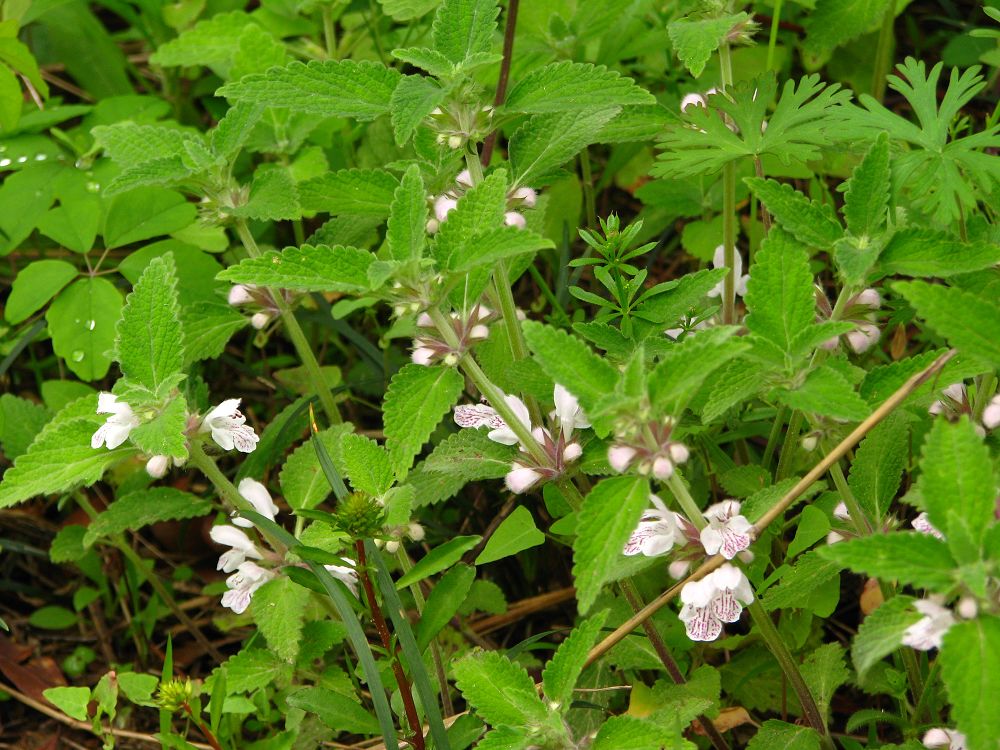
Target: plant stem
(412, 718)
(508, 310)
(773, 38)
(772, 439)
(687, 503)
(765, 215)
(789, 446)
(589, 199)
(295, 333)
(858, 517)
(508, 54)
(883, 53)
(728, 205)
(780, 651)
(329, 32)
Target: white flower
(991, 414)
(717, 598)
(346, 573)
(657, 532)
(923, 524)
(422, 355)
(719, 261)
(157, 466)
(953, 395)
(444, 205)
(259, 320)
(229, 428)
(841, 513)
(464, 178)
(504, 434)
(258, 496)
(568, 411)
(514, 219)
(863, 337)
(620, 456)
(242, 585)
(521, 478)
(727, 531)
(478, 415)
(927, 632)
(115, 430)
(242, 547)
(526, 195)
(239, 295)
(950, 739)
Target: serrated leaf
(501, 692)
(881, 633)
(780, 291)
(471, 455)
(573, 87)
(909, 557)
(407, 231)
(824, 671)
(416, 400)
(234, 129)
(303, 483)
(835, 22)
(968, 322)
(827, 392)
(878, 466)
(310, 268)
(252, 669)
(970, 666)
(609, 515)
(738, 381)
(208, 326)
(464, 28)
(82, 321)
(362, 192)
(563, 670)
(443, 602)
(278, 609)
(570, 362)
(333, 708)
(686, 367)
(478, 211)
(545, 143)
(211, 41)
(779, 735)
(366, 464)
(426, 59)
(695, 39)
(58, 460)
(925, 252)
(167, 171)
(516, 533)
(331, 88)
(163, 435)
(413, 100)
(794, 588)
(636, 734)
(808, 221)
(130, 144)
(866, 197)
(407, 10)
(67, 544)
(20, 422)
(497, 244)
(149, 344)
(143, 508)
(273, 197)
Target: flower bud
(514, 219)
(443, 206)
(415, 531)
(455, 141)
(239, 295)
(869, 298)
(175, 694)
(479, 332)
(572, 452)
(260, 320)
(450, 359)
(521, 478)
(679, 568)
(157, 466)
(967, 607)
(422, 355)
(809, 442)
(464, 178)
(526, 195)
(620, 456)
(392, 547)
(663, 468)
(432, 226)
(678, 453)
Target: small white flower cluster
(860, 310)
(652, 452)
(444, 204)
(413, 531)
(456, 126)
(245, 294)
(226, 423)
(428, 348)
(948, 739)
(716, 599)
(248, 575)
(561, 449)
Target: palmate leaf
(943, 177)
(568, 86)
(806, 117)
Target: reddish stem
(508, 52)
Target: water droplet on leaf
(78, 355)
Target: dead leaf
(728, 718)
(871, 597)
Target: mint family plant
(773, 477)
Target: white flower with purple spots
(229, 428)
(716, 599)
(727, 532)
(657, 532)
(928, 632)
(116, 428)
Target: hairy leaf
(306, 268)
(573, 87)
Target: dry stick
(791, 496)
(383, 631)
(508, 51)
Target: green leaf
(17, 55)
(463, 29)
(303, 482)
(686, 367)
(278, 609)
(968, 322)
(416, 400)
(234, 129)
(836, 22)
(501, 692)
(143, 508)
(11, 99)
(34, 285)
(813, 525)
(67, 544)
(445, 598)
(797, 584)
(695, 39)
(881, 633)
(414, 99)
(516, 533)
(878, 466)
(827, 392)
(573, 87)
(779, 735)
(609, 515)
(427, 59)
(635, 734)
(570, 362)
(331, 88)
(310, 268)
(546, 142)
(144, 213)
(824, 671)
(207, 327)
(407, 231)
(958, 485)
(252, 669)
(925, 252)
(72, 701)
(150, 344)
(273, 196)
(53, 618)
(780, 291)
(366, 464)
(806, 220)
(439, 558)
(407, 10)
(333, 709)
(498, 244)
(866, 197)
(212, 41)
(20, 421)
(130, 144)
(563, 670)
(478, 211)
(138, 688)
(363, 192)
(82, 323)
(909, 557)
(470, 455)
(970, 666)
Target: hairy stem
(687, 503)
(295, 333)
(728, 206)
(883, 53)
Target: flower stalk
(728, 204)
